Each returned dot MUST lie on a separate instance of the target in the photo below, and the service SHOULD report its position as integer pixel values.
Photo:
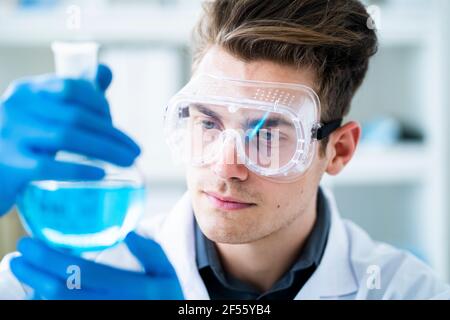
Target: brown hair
(331, 37)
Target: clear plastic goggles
(271, 128)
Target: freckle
(278, 206)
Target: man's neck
(263, 262)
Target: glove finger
(150, 254)
(44, 284)
(83, 143)
(104, 77)
(47, 286)
(71, 115)
(80, 91)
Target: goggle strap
(327, 128)
(183, 113)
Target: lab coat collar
(334, 276)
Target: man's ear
(341, 147)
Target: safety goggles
(271, 128)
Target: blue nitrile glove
(42, 115)
(46, 271)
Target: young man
(262, 121)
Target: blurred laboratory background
(397, 185)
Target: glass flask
(83, 215)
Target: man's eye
(208, 125)
(265, 135)
(272, 137)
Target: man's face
(232, 204)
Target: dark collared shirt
(221, 285)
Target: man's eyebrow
(205, 110)
(270, 122)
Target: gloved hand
(45, 270)
(43, 115)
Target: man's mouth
(227, 203)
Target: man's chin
(229, 238)
(225, 231)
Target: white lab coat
(353, 266)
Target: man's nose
(229, 164)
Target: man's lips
(226, 203)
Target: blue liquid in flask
(81, 216)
